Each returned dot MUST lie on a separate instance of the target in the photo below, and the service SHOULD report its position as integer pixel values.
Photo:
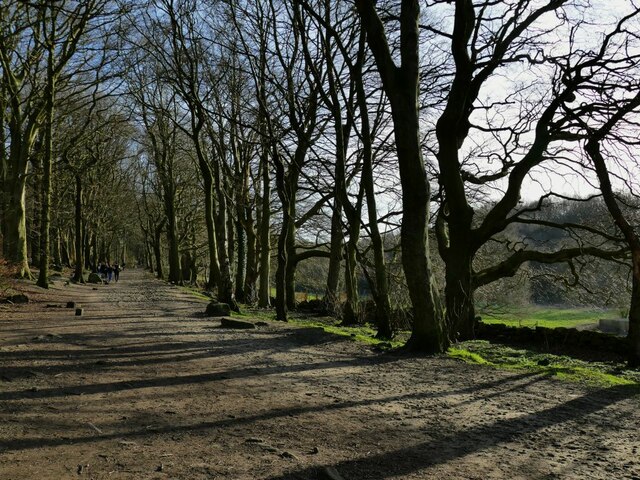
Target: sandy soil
(142, 386)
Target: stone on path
(94, 278)
(218, 309)
(288, 455)
(18, 298)
(228, 322)
(71, 304)
(78, 312)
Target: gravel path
(142, 386)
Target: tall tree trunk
(401, 85)
(66, 249)
(428, 333)
(281, 272)
(264, 291)
(241, 263)
(226, 293)
(78, 275)
(627, 229)
(290, 245)
(149, 255)
(350, 315)
(22, 138)
(45, 220)
(381, 287)
(56, 255)
(460, 310)
(175, 270)
(16, 221)
(633, 336)
(282, 251)
(94, 252)
(157, 250)
(212, 243)
(331, 293)
(86, 244)
(34, 213)
(251, 276)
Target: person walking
(116, 272)
(109, 272)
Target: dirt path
(141, 386)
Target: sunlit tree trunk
(47, 160)
(264, 291)
(401, 86)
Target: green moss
(467, 356)
(562, 367)
(192, 291)
(362, 333)
(591, 376)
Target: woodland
(426, 159)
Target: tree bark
(241, 261)
(381, 287)
(332, 294)
(264, 291)
(175, 270)
(157, 248)
(627, 229)
(78, 275)
(401, 85)
(47, 160)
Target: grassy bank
(492, 355)
(550, 317)
(601, 374)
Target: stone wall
(557, 339)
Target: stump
(71, 304)
(78, 312)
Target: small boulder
(18, 298)
(71, 304)
(218, 310)
(94, 278)
(78, 312)
(228, 322)
(288, 455)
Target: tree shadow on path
(446, 448)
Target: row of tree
(244, 132)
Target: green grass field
(550, 317)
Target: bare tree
(401, 85)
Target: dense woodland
(435, 156)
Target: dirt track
(142, 386)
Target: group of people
(110, 272)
